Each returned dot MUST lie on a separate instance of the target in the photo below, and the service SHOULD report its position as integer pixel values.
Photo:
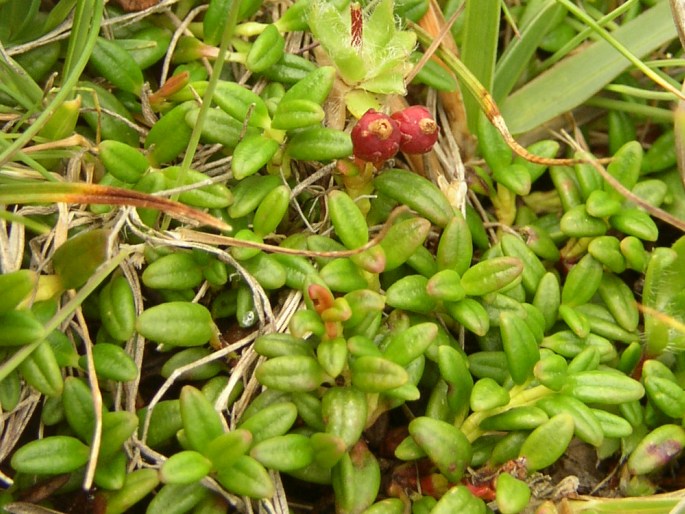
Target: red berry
(418, 128)
(376, 137)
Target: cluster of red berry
(377, 137)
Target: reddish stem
(356, 25)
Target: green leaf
(77, 259)
(247, 477)
(177, 498)
(376, 33)
(185, 467)
(176, 324)
(51, 455)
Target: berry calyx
(418, 128)
(376, 137)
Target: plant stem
(231, 19)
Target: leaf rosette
(376, 62)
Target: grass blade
(78, 37)
(58, 14)
(229, 26)
(479, 49)
(584, 34)
(656, 114)
(71, 192)
(15, 82)
(654, 76)
(518, 54)
(576, 78)
(93, 24)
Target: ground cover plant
(326, 256)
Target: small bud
(376, 137)
(418, 128)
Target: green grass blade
(584, 34)
(29, 161)
(656, 114)
(518, 54)
(655, 77)
(93, 24)
(58, 14)
(18, 84)
(479, 49)
(576, 78)
(637, 92)
(77, 39)
(31, 224)
(655, 504)
(229, 27)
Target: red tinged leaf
(321, 297)
(483, 491)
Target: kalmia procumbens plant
(386, 346)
